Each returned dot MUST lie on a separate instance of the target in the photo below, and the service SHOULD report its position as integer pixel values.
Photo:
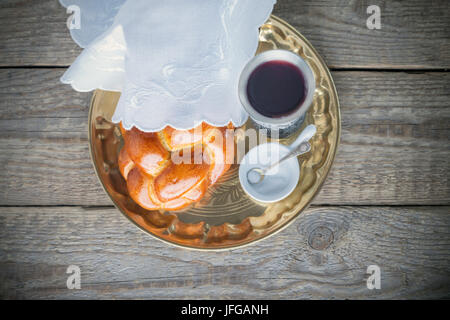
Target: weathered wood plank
(410, 245)
(35, 33)
(414, 34)
(394, 147)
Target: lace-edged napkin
(176, 62)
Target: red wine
(276, 89)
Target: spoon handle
(299, 146)
(302, 148)
(306, 135)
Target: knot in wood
(320, 238)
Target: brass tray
(226, 217)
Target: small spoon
(299, 147)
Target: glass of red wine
(276, 89)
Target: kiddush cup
(276, 88)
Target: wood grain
(414, 34)
(410, 245)
(394, 147)
(394, 151)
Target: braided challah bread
(155, 181)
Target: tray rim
(275, 231)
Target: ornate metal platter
(226, 217)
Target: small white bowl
(281, 181)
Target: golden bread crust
(156, 182)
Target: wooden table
(386, 201)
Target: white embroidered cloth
(176, 62)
